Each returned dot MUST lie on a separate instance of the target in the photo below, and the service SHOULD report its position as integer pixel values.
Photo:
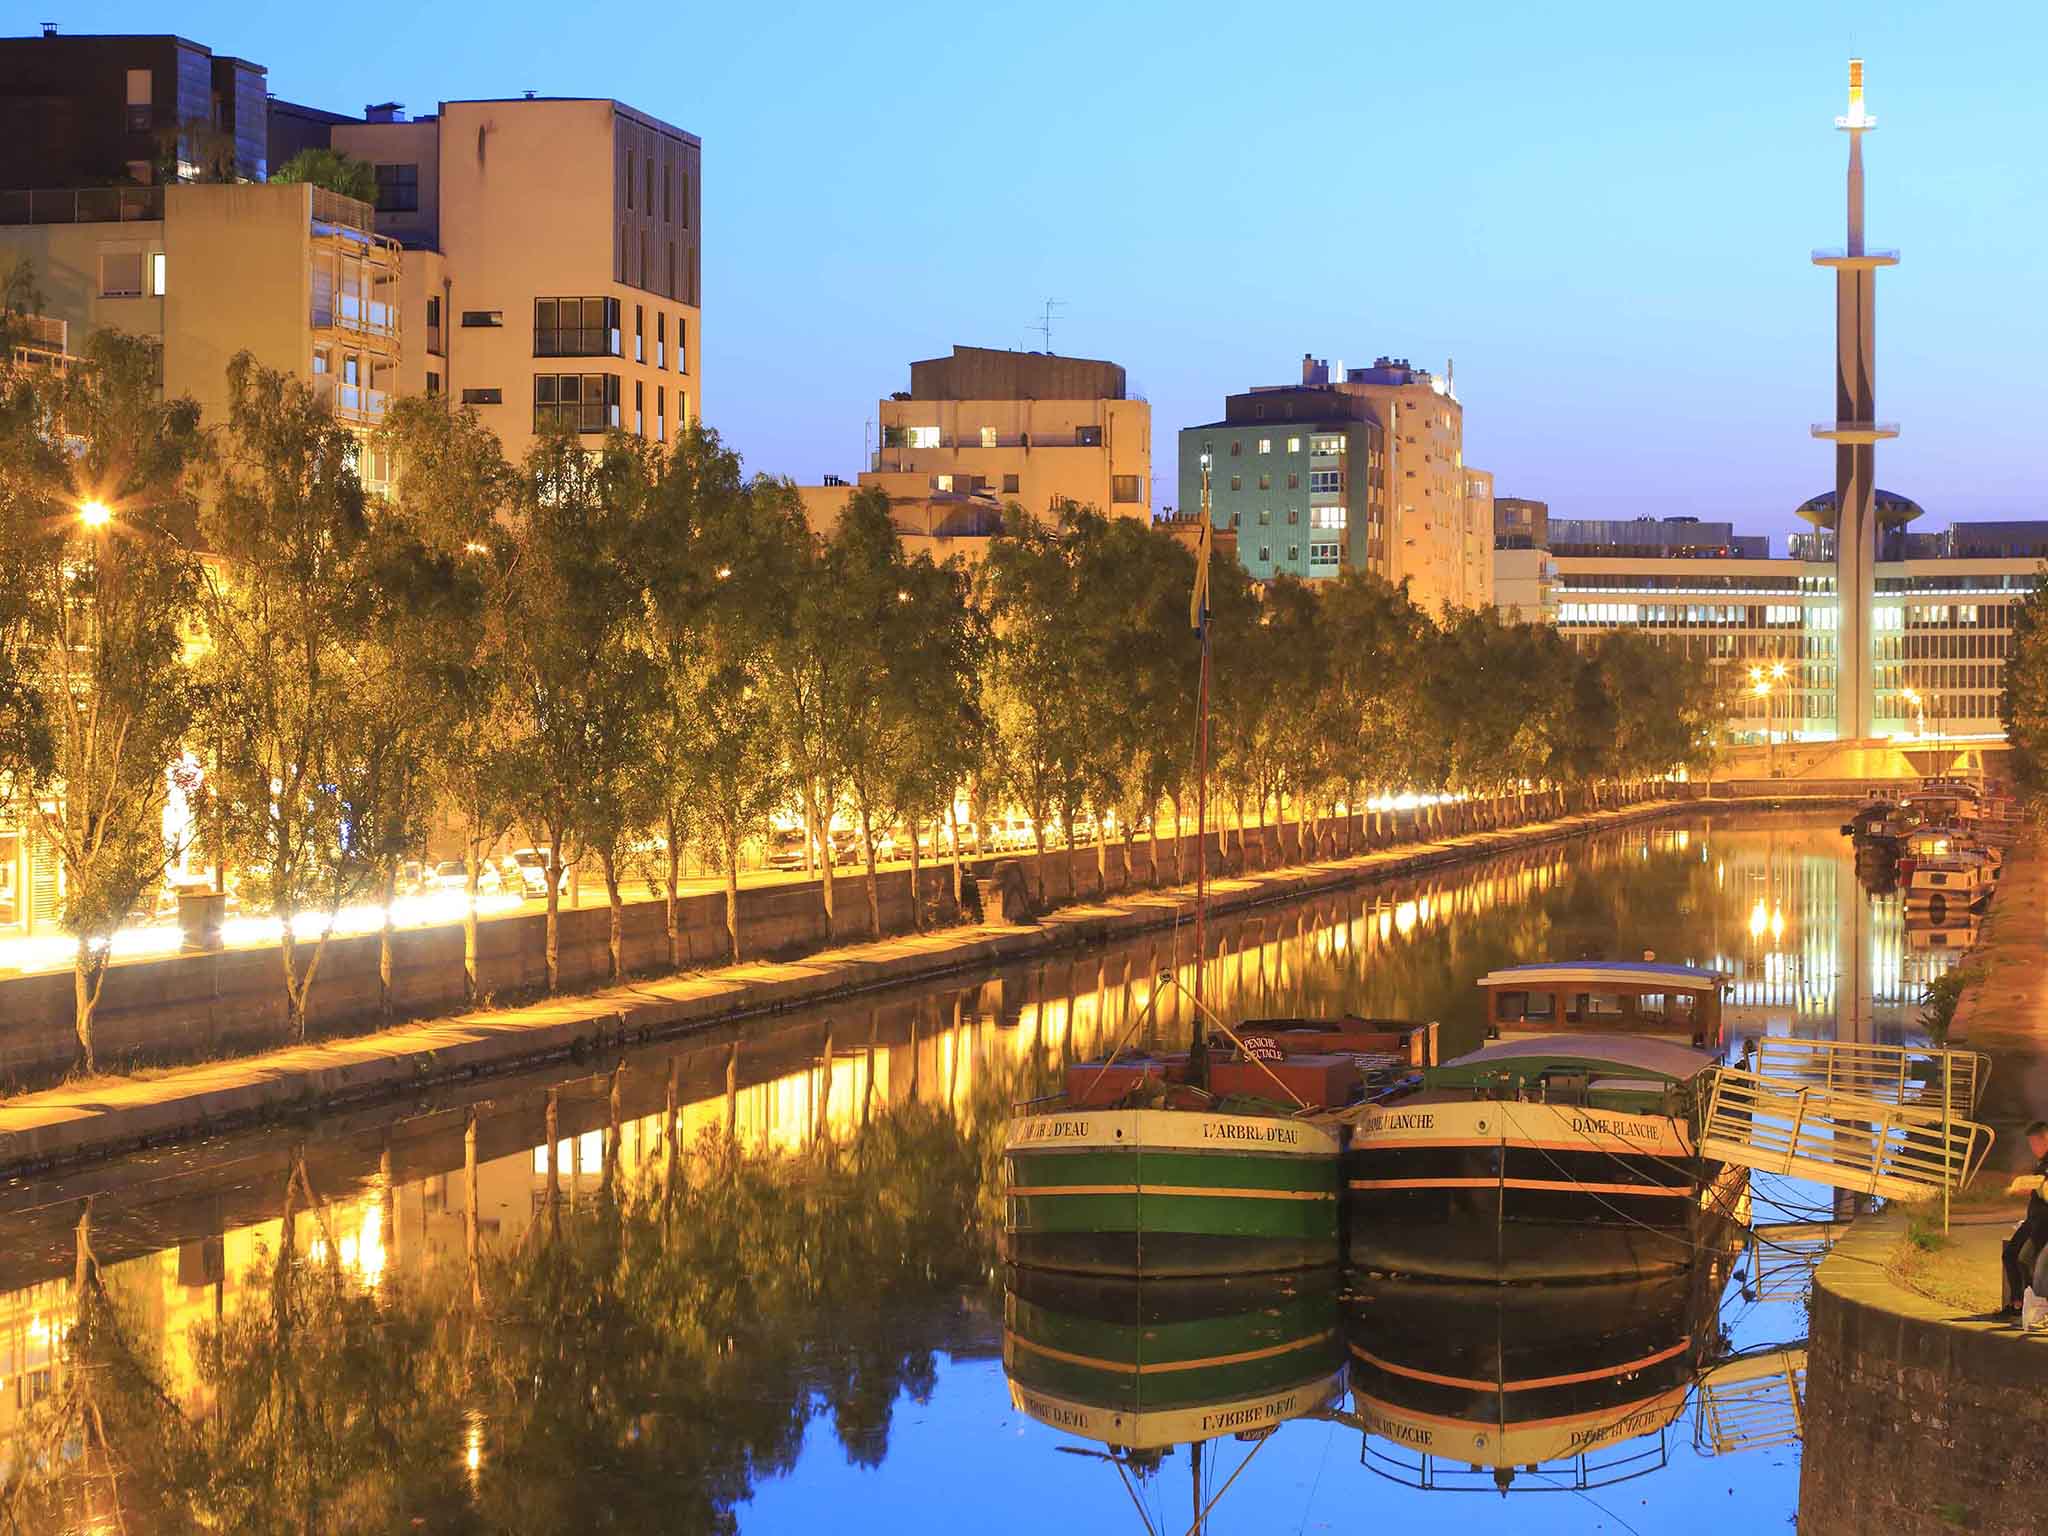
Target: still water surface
(369, 1323)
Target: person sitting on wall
(2029, 1240)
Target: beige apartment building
(553, 259)
(986, 428)
(1028, 427)
(1439, 510)
(293, 274)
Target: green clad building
(1299, 472)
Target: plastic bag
(2033, 1311)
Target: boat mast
(1195, 1458)
(1205, 536)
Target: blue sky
(1602, 212)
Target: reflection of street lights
(1761, 687)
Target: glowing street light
(95, 514)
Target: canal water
(552, 1302)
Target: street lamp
(95, 514)
(1912, 697)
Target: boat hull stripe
(1663, 1190)
(1200, 1191)
(1535, 1383)
(1161, 1367)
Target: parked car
(529, 872)
(453, 875)
(786, 848)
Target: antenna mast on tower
(1043, 325)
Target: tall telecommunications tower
(1854, 431)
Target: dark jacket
(2035, 1223)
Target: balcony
(1855, 431)
(83, 205)
(576, 341)
(351, 224)
(354, 405)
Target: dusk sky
(1603, 213)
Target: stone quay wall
(1916, 1425)
(199, 1006)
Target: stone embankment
(1922, 1416)
(75, 1122)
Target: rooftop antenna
(529, 94)
(1044, 324)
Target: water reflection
(509, 1305)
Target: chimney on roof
(1314, 370)
(384, 112)
(49, 29)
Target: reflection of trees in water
(640, 1361)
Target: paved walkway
(110, 1115)
(2005, 1014)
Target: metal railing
(1753, 1404)
(1907, 1151)
(83, 205)
(356, 404)
(1876, 1071)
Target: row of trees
(632, 650)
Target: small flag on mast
(1205, 535)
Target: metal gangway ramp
(1752, 1403)
(1873, 1146)
(1897, 1074)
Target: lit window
(156, 273)
(988, 440)
(943, 482)
(1265, 445)
(923, 437)
(1294, 445)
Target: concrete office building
(1941, 614)
(1298, 474)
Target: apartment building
(1026, 427)
(553, 258)
(86, 111)
(1388, 489)
(1298, 475)
(1524, 573)
(1438, 540)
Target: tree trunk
(386, 962)
(554, 923)
(959, 873)
(821, 834)
(294, 1009)
(672, 916)
(1101, 858)
(1038, 837)
(615, 936)
(867, 846)
(732, 897)
(916, 905)
(473, 875)
(87, 974)
(1152, 852)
